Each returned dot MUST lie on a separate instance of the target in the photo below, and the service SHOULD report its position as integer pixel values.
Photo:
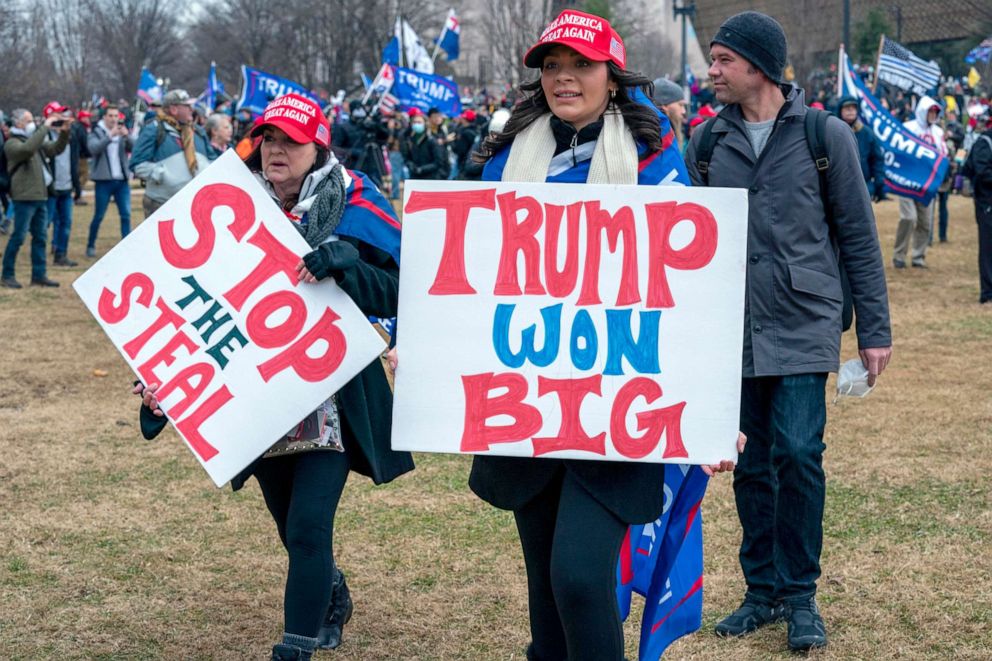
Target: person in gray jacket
(109, 144)
(792, 314)
(170, 150)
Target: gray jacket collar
(731, 117)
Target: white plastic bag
(852, 379)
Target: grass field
(115, 548)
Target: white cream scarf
(613, 162)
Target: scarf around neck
(614, 160)
(185, 138)
(322, 200)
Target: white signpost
(579, 321)
(203, 299)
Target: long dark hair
(640, 119)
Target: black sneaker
(10, 283)
(806, 629)
(751, 616)
(43, 282)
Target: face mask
(852, 379)
(418, 128)
(358, 114)
(30, 128)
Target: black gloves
(332, 258)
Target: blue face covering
(418, 128)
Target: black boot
(293, 648)
(338, 613)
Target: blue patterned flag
(899, 66)
(149, 90)
(391, 53)
(663, 562)
(980, 53)
(259, 87)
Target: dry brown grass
(114, 548)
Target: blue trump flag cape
(415, 89)
(913, 168)
(259, 87)
(663, 562)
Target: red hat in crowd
(696, 121)
(414, 112)
(469, 115)
(300, 117)
(817, 105)
(53, 107)
(707, 111)
(85, 114)
(590, 35)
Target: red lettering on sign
(519, 237)
(276, 259)
(206, 200)
(451, 278)
(653, 423)
(615, 225)
(190, 426)
(270, 337)
(662, 219)
(203, 372)
(166, 356)
(571, 435)
(561, 283)
(113, 314)
(167, 317)
(480, 405)
(296, 356)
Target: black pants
(983, 214)
(571, 546)
(302, 493)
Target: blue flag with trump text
(259, 87)
(663, 562)
(913, 168)
(416, 89)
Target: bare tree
(513, 26)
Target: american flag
(898, 66)
(980, 53)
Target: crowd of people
(585, 118)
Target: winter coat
(159, 159)
(978, 168)
(97, 143)
(793, 298)
(425, 158)
(26, 161)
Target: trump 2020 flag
(448, 41)
(663, 562)
(149, 90)
(260, 87)
(425, 91)
(913, 168)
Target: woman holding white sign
(355, 239)
(585, 120)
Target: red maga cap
(590, 35)
(53, 107)
(300, 117)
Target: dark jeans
(60, 218)
(302, 493)
(983, 214)
(779, 485)
(571, 545)
(942, 216)
(121, 192)
(33, 215)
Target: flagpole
(437, 44)
(878, 59)
(399, 24)
(841, 71)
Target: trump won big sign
(203, 299)
(572, 321)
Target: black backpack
(815, 124)
(6, 175)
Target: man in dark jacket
(978, 168)
(869, 150)
(424, 156)
(466, 133)
(792, 314)
(110, 144)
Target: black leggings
(302, 493)
(571, 546)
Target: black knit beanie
(758, 38)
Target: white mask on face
(852, 379)
(30, 128)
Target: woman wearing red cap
(585, 120)
(355, 239)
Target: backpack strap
(704, 149)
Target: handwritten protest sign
(203, 298)
(581, 321)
